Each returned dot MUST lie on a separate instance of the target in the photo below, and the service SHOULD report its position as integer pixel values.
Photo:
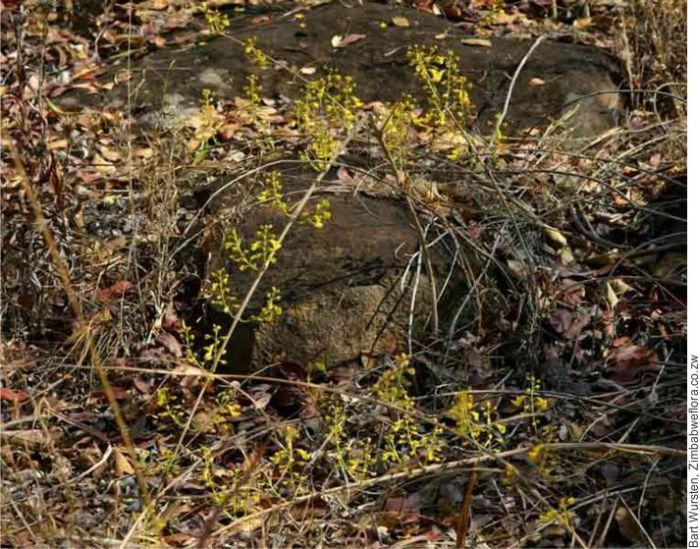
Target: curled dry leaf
(566, 255)
(610, 295)
(338, 41)
(555, 236)
(620, 286)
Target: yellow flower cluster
(326, 110)
(255, 54)
(447, 89)
(476, 422)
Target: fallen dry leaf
(32, 437)
(503, 18)
(189, 374)
(102, 165)
(57, 144)
(339, 41)
(115, 291)
(122, 466)
(518, 268)
(171, 320)
(583, 22)
(179, 539)
(610, 295)
(110, 154)
(144, 386)
(400, 21)
(561, 320)
(630, 359)
(170, 342)
(555, 236)
(13, 396)
(481, 42)
(629, 527)
(582, 320)
(567, 256)
(571, 292)
(143, 152)
(120, 393)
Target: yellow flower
(536, 453)
(436, 75)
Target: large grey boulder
(557, 77)
(352, 287)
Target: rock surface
(346, 289)
(557, 77)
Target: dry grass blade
(76, 307)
